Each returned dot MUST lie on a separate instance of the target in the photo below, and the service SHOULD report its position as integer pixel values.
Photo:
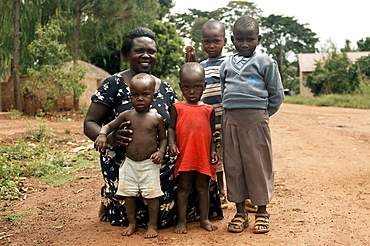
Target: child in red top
(192, 125)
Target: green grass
(14, 217)
(37, 157)
(345, 101)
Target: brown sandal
(262, 220)
(238, 223)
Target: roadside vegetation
(333, 100)
(43, 155)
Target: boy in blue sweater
(252, 91)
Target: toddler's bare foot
(180, 229)
(151, 232)
(206, 224)
(131, 229)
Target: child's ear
(259, 38)
(155, 96)
(225, 41)
(232, 38)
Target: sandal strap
(265, 215)
(264, 223)
(240, 215)
(238, 219)
(266, 220)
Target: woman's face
(142, 55)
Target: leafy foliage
(334, 75)
(190, 24)
(49, 77)
(283, 35)
(364, 44)
(170, 49)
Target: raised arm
(93, 123)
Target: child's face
(245, 40)
(192, 86)
(213, 42)
(141, 94)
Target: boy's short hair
(145, 76)
(191, 67)
(247, 21)
(213, 24)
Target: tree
(170, 49)
(361, 69)
(282, 35)
(333, 76)
(17, 95)
(190, 24)
(364, 44)
(347, 47)
(49, 76)
(101, 39)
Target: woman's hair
(136, 33)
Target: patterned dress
(114, 93)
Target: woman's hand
(119, 137)
(214, 158)
(217, 138)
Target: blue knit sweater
(255, 84)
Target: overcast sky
(337, 20)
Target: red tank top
(193, 138)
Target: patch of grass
(15, 217)
(334, 100)
(38, 132)
(39, 158)
(15, 114)
(57, 179)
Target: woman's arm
(93, 123)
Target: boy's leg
(153, 207)
(131, 216)
(183, 191)
(202, 186)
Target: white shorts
(139, 178)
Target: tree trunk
(17, 95)
(281, 58)
(75, 51)
(77, 32)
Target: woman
(111, 98)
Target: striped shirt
(212, 93)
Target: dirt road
(322, 191)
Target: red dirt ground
(322, 171)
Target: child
(213, 41)
(190, 139)
(251, 92)
(139, 175)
